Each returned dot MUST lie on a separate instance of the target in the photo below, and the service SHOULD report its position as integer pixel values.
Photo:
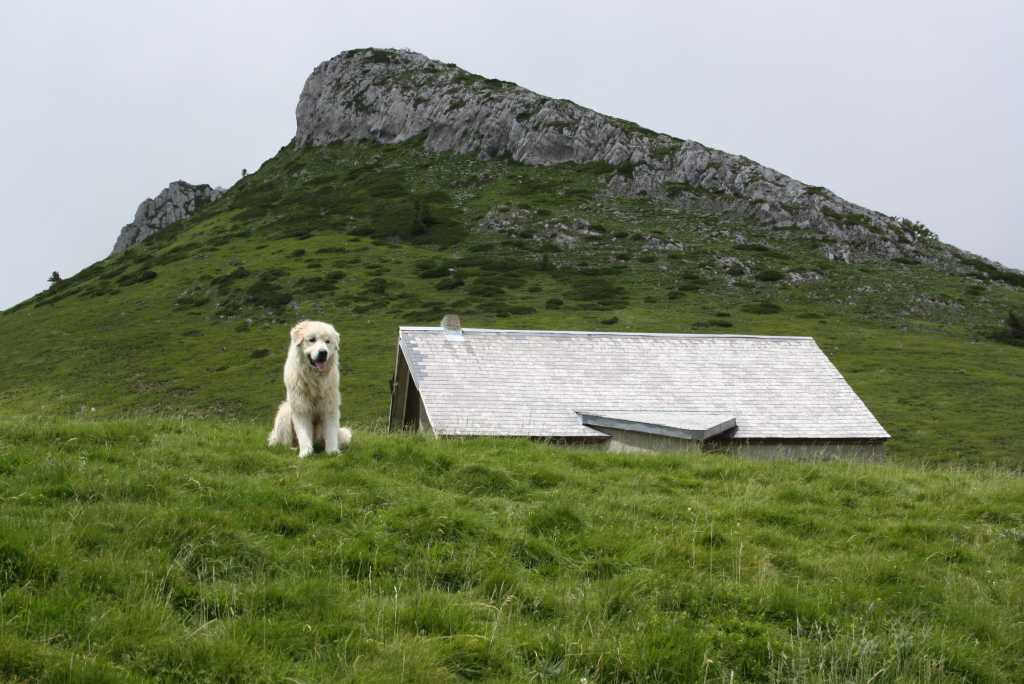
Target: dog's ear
(334, 335)
(298, 332)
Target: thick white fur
(311, 411)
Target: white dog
(311, 412)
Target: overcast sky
(910, 108)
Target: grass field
(185, 550)
(149, 534)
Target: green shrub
(993, 271)
(764, 307)
(483, 289)
(191, 300)
(143, 276)
(770, 276)
(450, 283)
(599, 291)
(228, 278)
(266, 292)
(1012, 331)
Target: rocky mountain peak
(390, 96)
(176, 202)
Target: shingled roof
(536, 383)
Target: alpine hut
(762, 396)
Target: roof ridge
(432, 328)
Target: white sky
(911, 108)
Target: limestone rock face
(176, 202)
(390, 96)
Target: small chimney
(452, 326)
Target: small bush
(484, 289)
(191, 300)
(316, 284)
(231, 277)
(433, 271)
(770, 276)
(1013, 330)
(554, 303)
(764, 307)
(754, 247)
(137, 277)
(600, 291)
(992, 271)
(450, 283)
(267, 293)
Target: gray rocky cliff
(390, 96)
(176, 202)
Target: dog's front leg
(331, 421)
(304, 434)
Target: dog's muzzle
(319, 361)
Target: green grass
(185, 550)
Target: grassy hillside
(182, 550)
(194, 321)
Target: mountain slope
(370, 236)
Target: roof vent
(452, 326)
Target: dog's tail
(344, 437)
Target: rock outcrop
(391, 96)
(176, 202)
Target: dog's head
(318, 343)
